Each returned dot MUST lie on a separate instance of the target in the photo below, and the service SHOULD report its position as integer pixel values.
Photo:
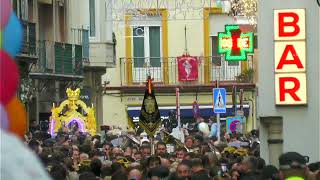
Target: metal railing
(81, 37)
(59, 58)
(134, 71)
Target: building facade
(63, 48)
(150, 39)
(286, 122)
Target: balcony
(29, 48)
(133, 73)
(58, 60)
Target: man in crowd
(161, 150)
(184, 170)
(293, 166)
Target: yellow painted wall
(115, 103)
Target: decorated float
(73, 114)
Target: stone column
(275, 140)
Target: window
(92, 18)
(216, 57)
(146, 43)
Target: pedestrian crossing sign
(219, 100)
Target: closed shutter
(58, 51)
(67, 59)
(216, 57)
(138, 46)
(78, 60)
(154, 41)
(32, 38)
(85, 44)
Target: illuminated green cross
(235, 44)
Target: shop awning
(186, 111)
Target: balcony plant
(246, 76)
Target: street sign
(219, 100)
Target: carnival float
(72, 114)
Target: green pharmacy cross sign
(235, 44)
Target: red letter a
(283, 59)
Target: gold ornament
(67, 112)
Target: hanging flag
(187, 68)
(150, 115)
(195, 110)
(234, 99)
(241, 99)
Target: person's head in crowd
(313, 167)
(145, 150)
(106, 171)
(181, 153)
(58, 156)
(134, 150)
(161, 149)
(119, 176)
(196, 150)
(85, 147)
(87, 176)
(74, 147)
(293, 164)
(69, 164)
(116, 152)
(137, 156)
(94, 154)
(153, 162)
(58, 172)
(189, 142)
(75, 155)
(261, 163)
(234, 174)
(190, 155)
(198, 140)
(270, 172)
(196, 165)
(165, 162)
(209, 159)
(184, 169)
(83, 156)
(116, 168)
(107, 149)
(160, 172)
(34, 145)
(128, 152)
(134, 174)
(95, 166)
(46, 156)
(248, 164)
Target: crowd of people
(72, 155)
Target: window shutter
(154, 41)
(138, 46)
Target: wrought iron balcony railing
(134, 71)
(57, 58)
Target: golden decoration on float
(71, 112)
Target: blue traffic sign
(219, 100)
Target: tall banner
(150, 115)
(187, 68)
(196, 110)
